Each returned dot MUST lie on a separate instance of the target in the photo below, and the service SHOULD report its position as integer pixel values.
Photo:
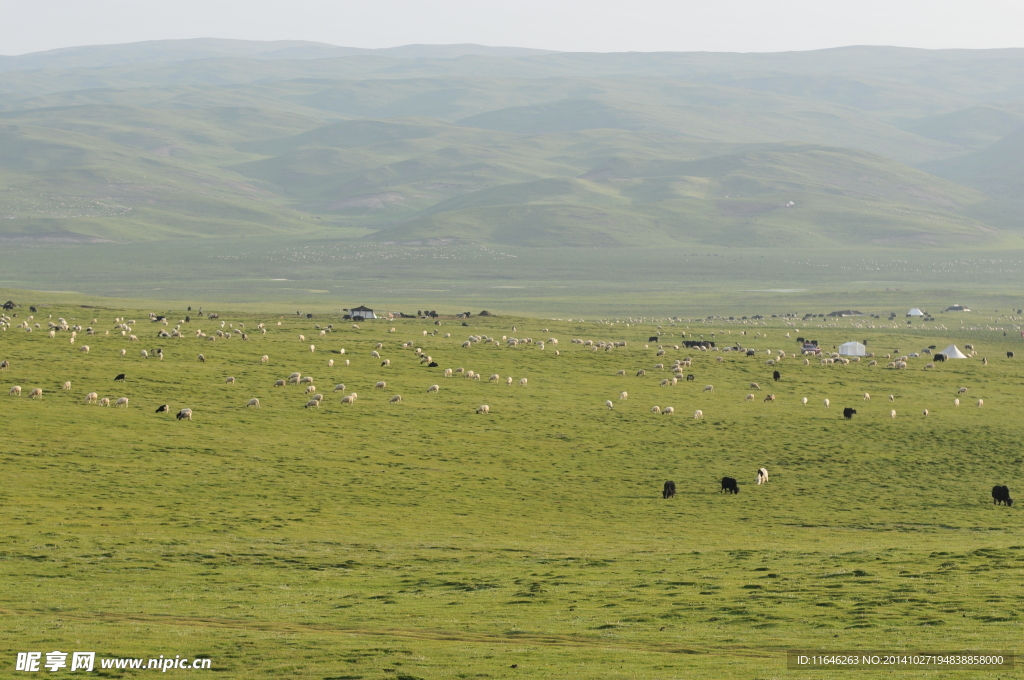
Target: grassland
(423, 540)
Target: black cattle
(432, 364)
(669, 490)
(848, 413)
(119, 378)
(940, 357)
(751, 352)
(729, 484)
(690, 377)
(1009, 355)
(653, 338)
(32, 308)
(777, 376)
(163, 409)
(1001, 494)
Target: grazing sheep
(623, 396)
(609, 404)
(312, 348)
(870, 363)
(926, 413)
(665, 382)
(103, 402)
(698, 415)
(709, 388)
(397, 399)
(66, 385)
(132, 338)
(122, 402)
(719, 360)
(494, 378)
(804, 401)
(264, 359)
(962, 390)
(202, 359)
(892, 397)
(929, 365)
(348, 399)
(84, 349)
(279, 383)
(380, 385)
(340, 387)
(826, 403)
(641, 373)
(622, 372)
(508, 380)
(92, 397)
(667, 411)
(318, 397)
(655, 409)
(386, 363)
(434, 388)
(956, 402)
(313, 403)
(120, 377)
(867, 397)
(749, 397)
(253, 403)
(762, 476)
(305, 379)
(981, 402)
(484, 409)
(302, 338)
(330, 363)
(229, 380)
(144, 354)
(892, 414)
(448, 373)
(309, 389)
(460, 369)
(37, 393)
(5, 365)
(522, 382)
(15, 391)
(770, 397)
(754, 386)
(163, 408)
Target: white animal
(144, 354)
(313, 403)
(698, 415)
(981, 402)
(15, 391)
(306, 379)
(667, 411)
(375, 354)
(66, 385)
(348, 399)
(84, 349)
(330, 363)
(229, 380)
(522, 381)
(892, 397)
(264, 359)
(253, 403)
(508, 380)
(484, 409)
(279, 383)
(122, 402)
(123, 353)
(867, 397)
(826, 403)
(926, 412)
(494, 378)
(434, 388)
(655, 409)
(309, 389)
(380, 385)
(962, 390)
(312, 348)
(37, 393)
(302, 338)
(609, 404)
(91, 398)
(892, 414)
(104, 402)
(623, 396)
(956, 402)
(709, 388)
(447, 372)
(185, 414)
(397, 399)
(339, 387)
(762, 476)
(804, 401)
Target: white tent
(852, 349)
(915, 312)
(952, 352)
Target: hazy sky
(572, 25)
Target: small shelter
(852, 349)
(952, 352)
(915, 312)
(956, 308)
(362, 312)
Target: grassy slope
(437, 543)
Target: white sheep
(621, 372)
(623, 396)
(484, 409)
(981, 402)
(302, 338)
(313, 403)
(37, 393)
(229, 380)
(447, 372)
(253, 403)
(348, 399)
(375, 354)
(867, 397)
(508, 380)
(318, 397)
(66, 385)
(494, 378)
(309, 389)
(709, 388)
(892, 414)
(122, 402)
(380, 385)
(330, 363)
(91, 398)
(609, 404)
(397, 399)
(279, 383)
(926, 412)
(762, 476)
(144, 354)
(103, 402)
(827, 403)
(655, 409)
(306, 379)
(386, 363)
(749, 397)
(434, 388)
(15, 391)
(956, 402)
(264, 359)
(184, 414)
(312, 348)
(522, 382)
(340, 387)
(892, 397)
(804, 401)
(698, 415)
(84, 349)
(667, 411)
(962, 390)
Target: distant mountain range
(413, 144)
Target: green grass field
(424, 540)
